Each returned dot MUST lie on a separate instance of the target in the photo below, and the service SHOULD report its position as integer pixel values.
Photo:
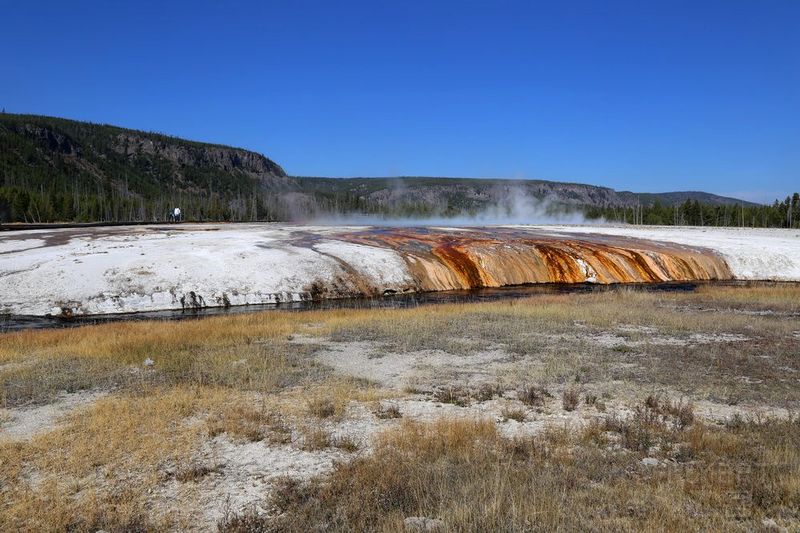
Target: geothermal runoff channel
(93, 271)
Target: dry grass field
(619, 410)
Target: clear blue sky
(639, 95)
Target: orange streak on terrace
(442, 259)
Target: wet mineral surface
(91, 271)
(444, 259)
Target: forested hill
(53, 169)
(57, 169)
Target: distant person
(176, 214)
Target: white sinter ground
(751, 253)
(119, 270)
(130, 269)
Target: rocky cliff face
(41, 139)
(195, 154)
(53, 140)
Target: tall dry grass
(249, 352)
(465, 474)
(244, 377)
(458, 327)
(781, 297)
(95, 471)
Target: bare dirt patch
(375, 362)
(22, 423)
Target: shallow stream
(398, 301)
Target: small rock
(149, 362)
(423, 523)
(650, 461)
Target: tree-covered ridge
(59, 170)
(63, 170)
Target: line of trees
(43, 205)
(77, 204)
(22, 205)
(780, 214)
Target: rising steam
(508, 207)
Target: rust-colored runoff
(492, 257)
(460, 264)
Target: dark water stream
(396, 301)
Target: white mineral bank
(147, 268)
(751, 253)
(119, 270)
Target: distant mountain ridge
(677, 197)
(422, 188)
(55, 169)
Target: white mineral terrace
(148, 268)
